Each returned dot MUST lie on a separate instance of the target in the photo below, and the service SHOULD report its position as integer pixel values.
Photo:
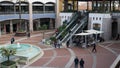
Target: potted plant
(7, 52)
(20, 32)
(44, 28)
(53, 39)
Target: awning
(83, 34)
(94, 31)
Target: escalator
(77, 22)
(78, 27)
(70, 24)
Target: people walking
(28, 34)
(58, 43)
(82, 63)
(55, 44)
(67, 43)
(12, 40)
(94, 47)
(76, 61)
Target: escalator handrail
(74, 31)
(71, 21)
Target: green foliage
(65, 22)
(43, 27)
(61, 28)
(52, 38)
(21, 30)
(63, 34)
(7, 52)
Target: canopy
(94, 31)
(83, 34)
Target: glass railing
(25, 12)
(69, 28)
(66, 30)
(77, 27)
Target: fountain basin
(25, 52)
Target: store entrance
(114, 29)
(14, 27)
(7, 28)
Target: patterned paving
(64, 57)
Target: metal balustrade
(81, 25)
(75, 15)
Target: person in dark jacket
(67, 43)
(94, 47)
(82, 63)
(12, 40)
(76, 61)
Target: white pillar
(30, 18)
(39, 23)
(26, 26)
(44, 8)
(51, 24)
(11, 26)
(57, 20)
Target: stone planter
(13, 65)
(20, 34)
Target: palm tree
(7, 52)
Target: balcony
(12, 15)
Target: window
(96, 18)
(93, 18)
(96, 26)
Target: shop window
(96, 18)
(96, 26)
(100, 18)
(93, 18)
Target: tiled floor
(64, 57)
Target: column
(5, 28)
(96, 6)
(110, 6)
(18, 26)
(87, 5)
(30, 18)
(39, 24)
(51, 24)
(92, 5)
(11, 26)
(26, 28)
(73, 4)
(57, 20)
(77, 5)
(65, 4)
(14, 10)
(44, 8)
(119, 6)
(0, 30)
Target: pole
(85, 41)
(96, 37)
(20, 14)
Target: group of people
(77, 62)
(57, 43)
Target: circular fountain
(26, 52)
